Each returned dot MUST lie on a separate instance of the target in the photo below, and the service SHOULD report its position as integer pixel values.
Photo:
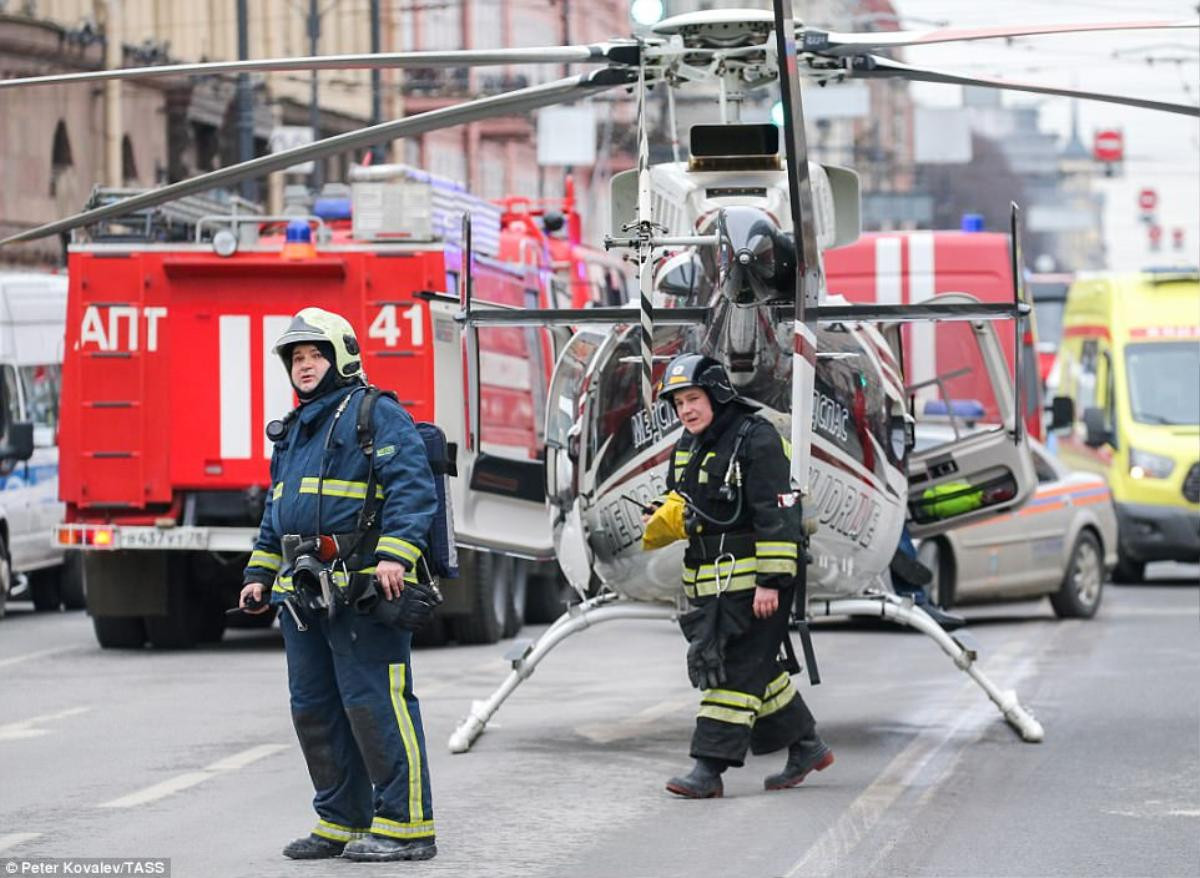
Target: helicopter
(728, 248)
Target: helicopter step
(903, 612)
(603, 608)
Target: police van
(32, 321)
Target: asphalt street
(192, 756)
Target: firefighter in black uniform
(739, 575)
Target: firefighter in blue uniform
(349, 675)
(740, 569)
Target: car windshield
(1163, 383)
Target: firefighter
(739, 575)
(349, 675)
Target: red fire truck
(169, 381)
(909, 267)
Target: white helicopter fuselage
(857, 487)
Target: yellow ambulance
(1128, 385)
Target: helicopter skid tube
(605, 608)
(902, 611)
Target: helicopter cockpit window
(682, 276)
(565, 393)
(622, 428)
(849, 406)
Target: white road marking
(29, 656)
(192, 778)
(951, 728)
(15, 838)
(638, 724)
(28, 728)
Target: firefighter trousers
(757, 708)
(359, 726)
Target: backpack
(442, 554)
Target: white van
(33, 310)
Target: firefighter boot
(313, 847)
(380, 848)
(804, 756)
(702, 782)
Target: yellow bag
(666, 524)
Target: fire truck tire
(208, 622)
(518, 593)
(70, 582)
(490, 599)
(119, 632)
(179, 627)
(547, 597)
(436, 633)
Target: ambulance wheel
(1129, 570)
(70, 582)
(45, 590)
(119, 632)
(490, 598)
(547, 598)
(518, 591)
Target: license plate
(163, 538)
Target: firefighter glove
(666, 524)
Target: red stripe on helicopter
(838, 463)
(647, 464)
(805, 348)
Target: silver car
(1062, 542)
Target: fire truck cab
(169, 382)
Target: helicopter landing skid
(604, 608)
(899, 610)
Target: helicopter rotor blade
(557, 92)
(808, 261)
(620, 52)
(645, 252)
(831, 43)
(877, 67)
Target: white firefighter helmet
(316, 325)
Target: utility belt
(325, 581)
(706, 547)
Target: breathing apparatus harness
(315, 559)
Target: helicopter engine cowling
(755, 259)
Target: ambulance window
(11, 395)
(42, 387)
(1085, 377)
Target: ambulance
(32, 317)
(1128, 379)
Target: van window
(1085, 377)
(1162, 382)
(42, 387)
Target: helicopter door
(564, 447)
(971, 459)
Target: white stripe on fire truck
(234, 335)
(277, 389)
(887, 271)
(921, 286)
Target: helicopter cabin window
(622, 428)
(567, 388)
(849, 407)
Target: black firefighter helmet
(697, 370)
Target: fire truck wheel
(209, 622)
(70, 582)
(119, 632)
(177, 628)
(490, 598)
(436, 633)
(518, 595)
(547, 598)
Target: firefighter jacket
(404, 486)
(754, 541)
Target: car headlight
(1144, 465)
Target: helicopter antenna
(808, 274)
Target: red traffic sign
(1108, 145)
(1177, 237)
(1148, 200)
(1155, 233)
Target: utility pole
(245, 102)
(314, 109)
(378, 151)
(113, 56)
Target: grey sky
(1163, 150)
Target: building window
(60, 156)
(128, 164)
